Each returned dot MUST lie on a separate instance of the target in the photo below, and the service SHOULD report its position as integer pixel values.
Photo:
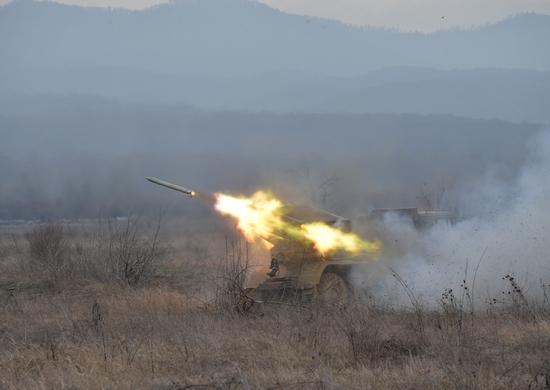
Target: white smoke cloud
(507, 234)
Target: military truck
(298, 271)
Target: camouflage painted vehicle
(300, 272)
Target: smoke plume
(504, 235)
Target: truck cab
(298, 271)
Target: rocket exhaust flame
(262, 216)
(327, 238)
(257, 216)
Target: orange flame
(327, 238)
(256, 216)
(261, 216)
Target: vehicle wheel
(332, 288)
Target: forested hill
(242, 37)
(76, 163)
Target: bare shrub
(49, 249)
(121, 249)
(233, 272)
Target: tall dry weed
(233, 272)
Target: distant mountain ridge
(244, 38)
(242, 55)
(516, 95)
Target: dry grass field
(116, 307)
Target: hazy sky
(405, 15)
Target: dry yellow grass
(153, 337)
(91, 334)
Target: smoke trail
(506, 235)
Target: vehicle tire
(332, 288)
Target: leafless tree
(321, 188)
(431, 197)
